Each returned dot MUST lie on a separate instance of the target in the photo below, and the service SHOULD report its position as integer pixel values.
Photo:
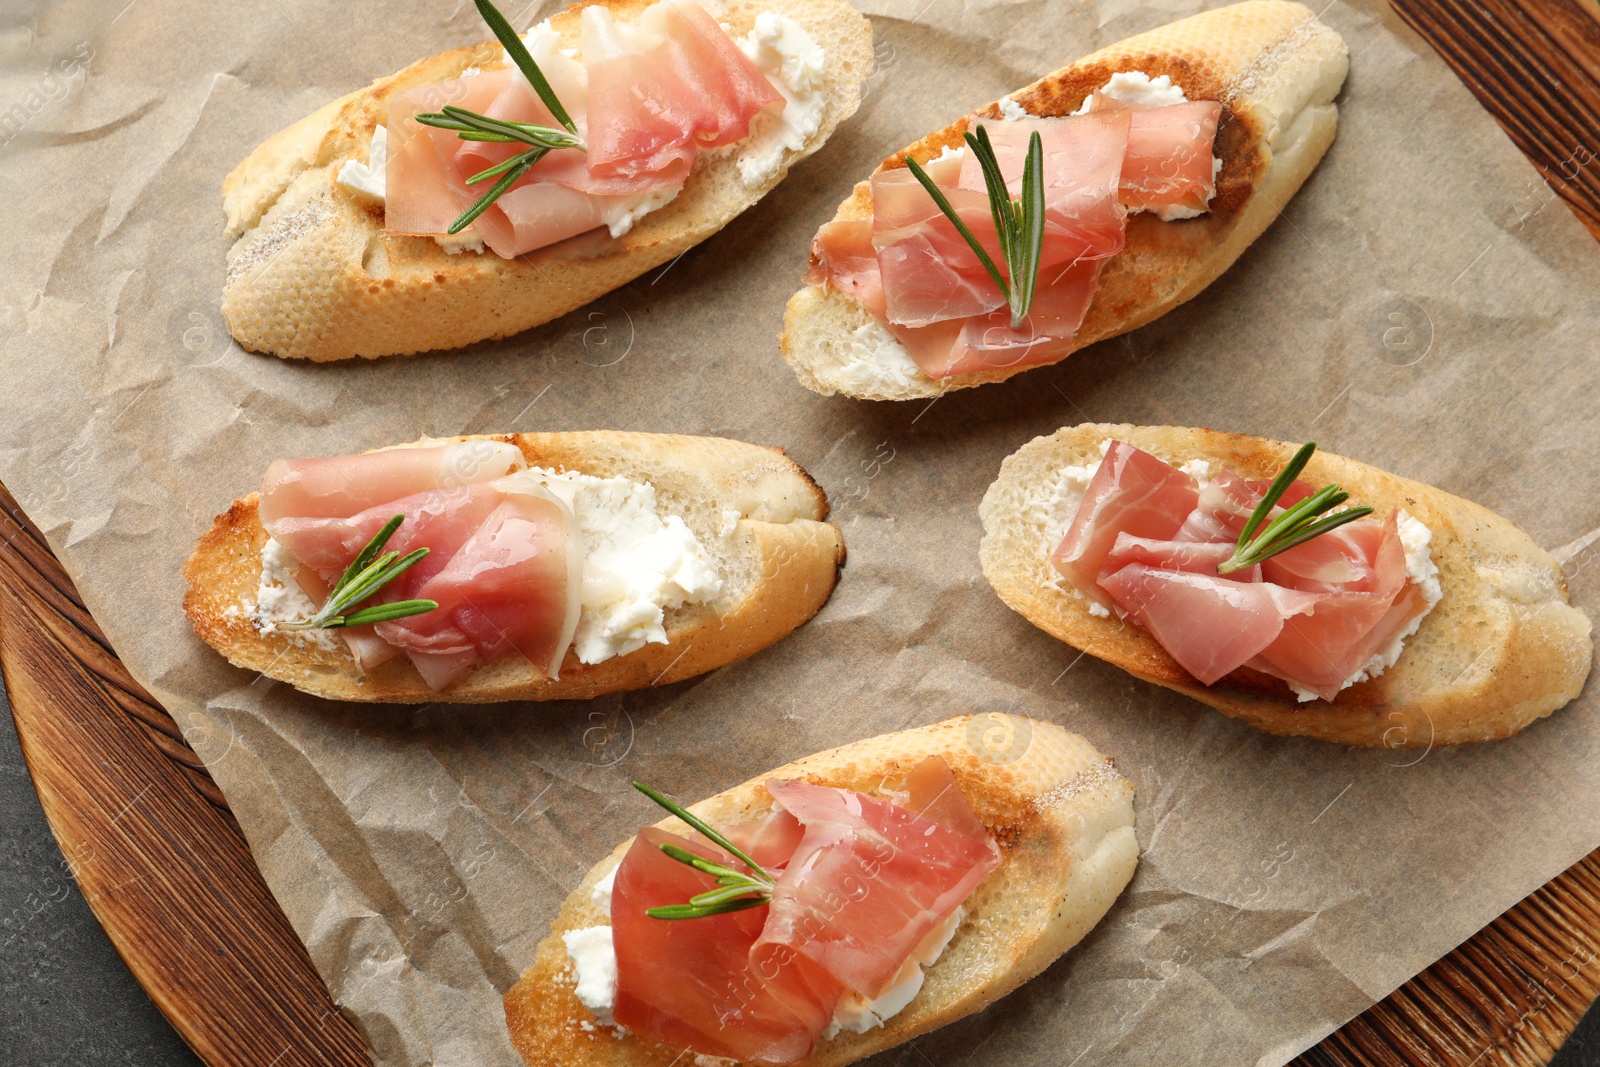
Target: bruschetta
(540, 566)
(1162, 158)
(1428, 620)
(904, 882)
(678, 122)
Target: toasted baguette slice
(778, 566)
(1501, 649)
(1061, 813)
(1274, 68)
(315, 276)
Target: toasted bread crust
(1501, 649)
(785, 556)
(1063, 818)
(315, 276)
(1274, 68)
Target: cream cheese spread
(637, 565)
(280, 599)
(876, 363)
(594, 961)
(796, 66)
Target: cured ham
(1133, 492)
(1146, 542)
(340, 486)
(691, 983)
(1169, 162)
(868, 882)
(911, 269)
(646, 97)
(860, 882)
(651, 107)
(504, 557)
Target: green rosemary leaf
(1317, 529)
(1297, 525)
(717, 896)
(1279, 486)
(365, 557)
(519, 55)
(736, 890)
(471, 126)
(704, 829)
(524, 160)
(506, 181)
(398, 609)
(1025, 276)
(367, 573)
(690, 911)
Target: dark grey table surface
(65, 996)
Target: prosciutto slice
(861, 881)
(1133, 492)
(930, 273)
(513, 584)
(340, 486)
(692, 983)
(651, 108)
(504, 555)
(1169, 160)
(867, 883)
(1146, 541)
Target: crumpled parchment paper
(1425, 304)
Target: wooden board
(163, 865)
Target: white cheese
(856, 1014)
(796, 67)
(619, 213)
(637, 564)
(1011, 111)
(730, 522)
(600, 895)
(280, 599)
(1137, 89)
(468, 240)
(368, 180)
(951, 152)
(1071, 484)
(594, 960)
(877, 362)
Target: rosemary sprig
(1297, 524)
(737, 890)
(368, 573)
(1019, 224)
(471, 126)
